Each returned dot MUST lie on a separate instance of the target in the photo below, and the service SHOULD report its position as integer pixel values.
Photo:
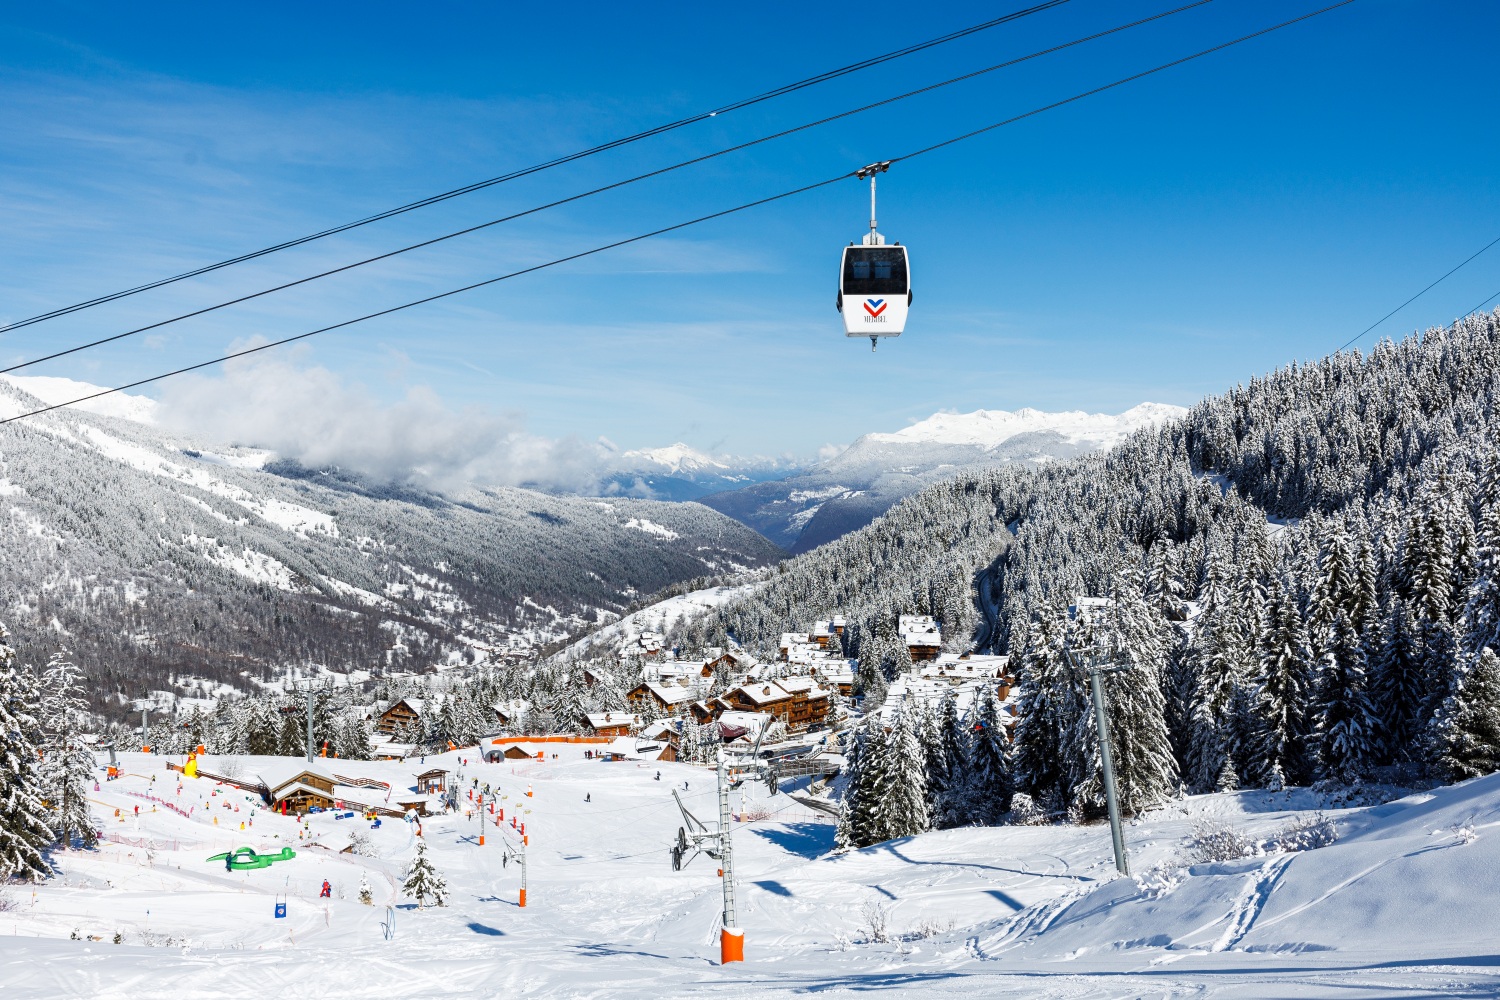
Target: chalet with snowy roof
(956, 670)
(610, 723)
(662, 698)
(799, 702)
(405, 713)
(836, 673)
(299, 789)
(922, 636)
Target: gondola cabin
(874, 290)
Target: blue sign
(280, 910)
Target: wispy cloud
(315, 417)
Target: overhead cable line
(599, 190)
(672, 228)
(1423, 292)
(547, 165)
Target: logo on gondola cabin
(875, 307)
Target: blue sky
(1159, 242)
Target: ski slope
(1403, 903)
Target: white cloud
(311, 415)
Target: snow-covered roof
(803, 683)
(670, 694)
(763, 693)
(907, 624)
(600, 720)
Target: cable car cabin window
(875, 271)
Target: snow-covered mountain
(859, 484)
(54, 391)
(152, 555)
(681, 472)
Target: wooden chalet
(406, 712)
(302, 791)
(610, 723)
(799, 702)
(663, 698)
(433, 781)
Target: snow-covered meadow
(1403, 902)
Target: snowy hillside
(1400, 905)
(150, 555)
(863, 481)
(56, 391)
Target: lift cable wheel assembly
(874, 279)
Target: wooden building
(610, 723)
(404, 713)
(668, 699)
(799, 702)
(302, 791)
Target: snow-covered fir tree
(69, 761)
(24, 829)
(422, 879)
(1346, 723)
(989, 783)
(1467, 726)
(947, 765)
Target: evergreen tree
(1145, 769)
(952, 806)
(989, 774)
(423, 881)
(24, 833)
(69, 762)
(899, 806)
(1212, 744)
(1049, 705)
(1481, 614)
(1345, 717)
(858, 778)
(1284, 685)
(1397, 689)
(1468, 723)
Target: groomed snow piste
(1403, 904)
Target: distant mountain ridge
(150, 555)
(848, 491)
(681, 472)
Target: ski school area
(200, 888)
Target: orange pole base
(523, 898)
(731, 945)
(481, 840)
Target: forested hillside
(150, 559)
(1306, 571)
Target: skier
(658, 775)
(327, 892)
(227, 859)
(588, 797)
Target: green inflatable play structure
(245, 858)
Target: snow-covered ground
(1403, 904)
